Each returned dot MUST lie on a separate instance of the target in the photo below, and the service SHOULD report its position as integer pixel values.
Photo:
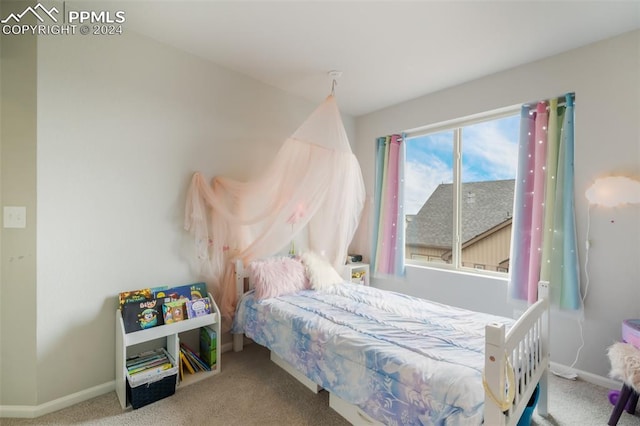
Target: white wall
(123, 122)
(606, 80)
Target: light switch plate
(15, 217)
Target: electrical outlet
(15, 217)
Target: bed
(388, 358)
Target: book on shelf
(154, 306)
(142, 361)
(188, 291)
(133, 359)
(144, 357)
(162, 362)
(196, 362)
(134, 296)
(151, 372)
(198, 307)
(184, 363)
(208, 346)
(140, 295)
(148, 364)
(141, 315)
(173, 311)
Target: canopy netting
(313, 191)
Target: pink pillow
(277, 276)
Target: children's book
(208, 346)
(196, 362)
(184, 362)
(188, 291)
(157, 291)
(151, 370)
(142, 315)
(135, 363)
(199, 307)
(134, 296)
(143, 356)
(158, 365)
(173, 311)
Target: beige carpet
(251, 390)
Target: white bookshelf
(171, 332)
(357, 273)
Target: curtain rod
(562, 102)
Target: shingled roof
(484, 206)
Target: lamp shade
(614, 191)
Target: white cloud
(492, 150)
(421, 179)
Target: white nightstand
(357, 273)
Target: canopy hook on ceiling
(335, 75)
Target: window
(459, 188)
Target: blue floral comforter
(402, 360)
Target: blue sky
(489, 152)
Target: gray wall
(18, 307)
(121, 123)
(606, 80)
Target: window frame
(456, 126)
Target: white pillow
(321, 274)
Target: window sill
(498, 276)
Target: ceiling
(388, 51)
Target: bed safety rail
(516, 362)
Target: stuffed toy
(625, 364)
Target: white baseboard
(605, 382)
(33, 411)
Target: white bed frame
(523, 351)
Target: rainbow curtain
(544, 243)
(388, 234)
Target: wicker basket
(151, 392)
(143, 390)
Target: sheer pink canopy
(313, 192)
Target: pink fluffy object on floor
(625, 364)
